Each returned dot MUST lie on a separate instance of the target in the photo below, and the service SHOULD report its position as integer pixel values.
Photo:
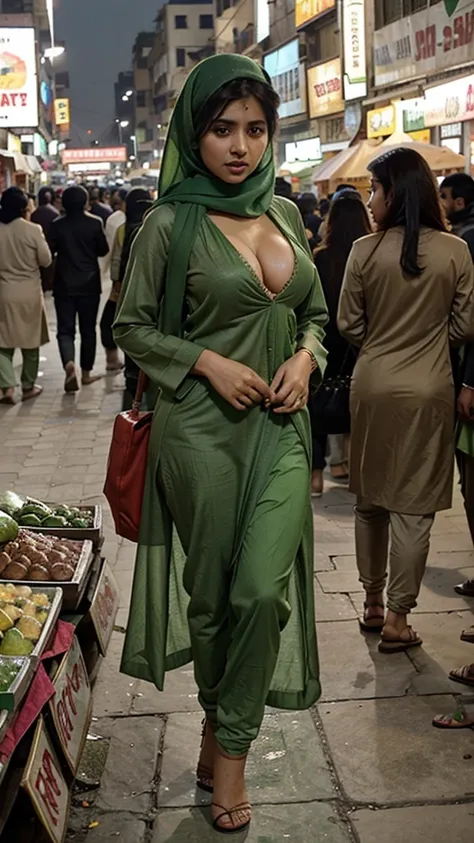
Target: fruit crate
(72, 590)
(93, 534)
(12, 697)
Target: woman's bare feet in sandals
(230, 807)
(32, 392)
(374, 613)
(205, 767)
(397, 635)
(71, 383)
(89, 377)
(7, 396)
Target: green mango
(75, 511)
(8, 528)
(63, 511)
(11, 503)
(40, 510)
(54, 521)
(30, 521)
(15, 644)
(80, 523)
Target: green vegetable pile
(32, 513)
(8, 671)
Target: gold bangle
(314, 362)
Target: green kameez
(231, 488)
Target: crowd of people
(274, 329)
(67, 243)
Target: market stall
(58, 603)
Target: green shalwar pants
(238, 595)
(29, 370)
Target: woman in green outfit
(222, 308)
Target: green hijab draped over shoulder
(184, 179)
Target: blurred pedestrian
(97, 207)
(78, 241)
(116, 219)
(348, 220)
(137, 203)
(44, 216)
(408, 292)
(307, 205)
(23, 323)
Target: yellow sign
(325, 89)
(306, 10)
(62, 112)
(423, 136)
(381, 122)
(13, 142)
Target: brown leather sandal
(236, 829)
(374, 623)
(400, 644)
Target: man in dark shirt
(78, 240)
(99, 208)
(44, 216)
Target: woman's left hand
(290, 386)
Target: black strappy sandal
(244, 806)
(204, 776)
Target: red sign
(104, 607)
(71, 704)
(96, 154)
(46, 786)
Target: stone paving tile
(128, 779)
(313, 822)
(113, 691)
(124, 582)
(437, 591)
(455, 560)
(436, 823)
(339, 582)
(386, 752)
(442, 651)
(332, 607)
(180, 694)
(352, 667)
(287, 762)
(119, 827)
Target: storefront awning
(4, 153)
(34, 164)
(21, 164)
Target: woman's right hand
(238, 384)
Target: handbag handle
(142, 385)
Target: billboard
(95, 154)
(288, 79)
(355, 65)
(325, 89)
(306, 10)
(438, 37)
(62, 115)
(18, 78)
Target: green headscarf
(185, 180)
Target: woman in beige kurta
(23, 324)
(407, 293)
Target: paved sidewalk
(364, 765)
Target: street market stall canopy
(351, 164)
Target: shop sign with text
(18, 78)
(303, 150)
(62, 114)
(452, 102)
(71, 704)
(46, 786)
(325, 89)
(104, 607)
(288, 78)
(307, 10)
(110, 155)
(381, 122)
(439, 37)
(355, 67)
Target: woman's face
(236, 142)
(30, 209)
(378, 203)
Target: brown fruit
(39, 572)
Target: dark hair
(103, 192)
(462, 186)
(75, 199)
(283, 188)
(137, 203)
(307, 203)
(94, 194)
(122, 194)
(345, 187)
(410, 186)
(343, 190)
(324, 205)
(348, 221)
(13, 205)
(236, 90)
(46, 196)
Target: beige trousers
(409, 537)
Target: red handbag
(126, 469)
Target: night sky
(99, 36)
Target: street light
(53, 52)
(125, 98)
(135, 146)
(128, 93)
(124, 124)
